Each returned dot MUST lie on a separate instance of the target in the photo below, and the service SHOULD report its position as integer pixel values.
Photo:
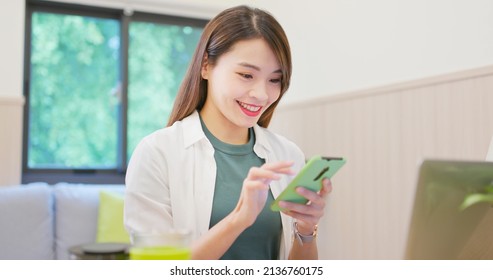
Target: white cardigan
(171, 178)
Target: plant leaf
(475, 198)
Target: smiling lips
(249, 109)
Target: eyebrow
(248, 65)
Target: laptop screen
(439, 228)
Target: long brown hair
(219, 35)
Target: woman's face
(242, 84)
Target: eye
(276, 81)
(246, 76)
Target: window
(96, 82)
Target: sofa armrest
(26, 222)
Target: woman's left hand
(308, 215)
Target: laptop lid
(439, 229)
(489, 155)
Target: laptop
(439, 229)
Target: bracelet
(302, 238)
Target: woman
(216, 168)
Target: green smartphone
(310, 177)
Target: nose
(259, 91)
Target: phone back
(310, 177)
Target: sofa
(41, 222)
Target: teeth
(249, 107)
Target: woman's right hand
(255, 190)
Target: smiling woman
(216, 167)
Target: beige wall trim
(12, 100)
(11, 115)
(398, 87)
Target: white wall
(12, 47)
(343, 45)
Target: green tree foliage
(74, 67)
(158, 58)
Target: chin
(247, 123)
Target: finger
(283, 167)
(316, 197)
(269, 171)
(305, 209)
(326, 187)
(312, 196)
(257, 173)
(255, 185)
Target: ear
(204, 70)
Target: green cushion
(110, 219)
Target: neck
(224, 130)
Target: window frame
(93, 175)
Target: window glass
(73, 92)
(159, 55)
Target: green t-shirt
(262, 240)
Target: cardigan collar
(193, 133)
